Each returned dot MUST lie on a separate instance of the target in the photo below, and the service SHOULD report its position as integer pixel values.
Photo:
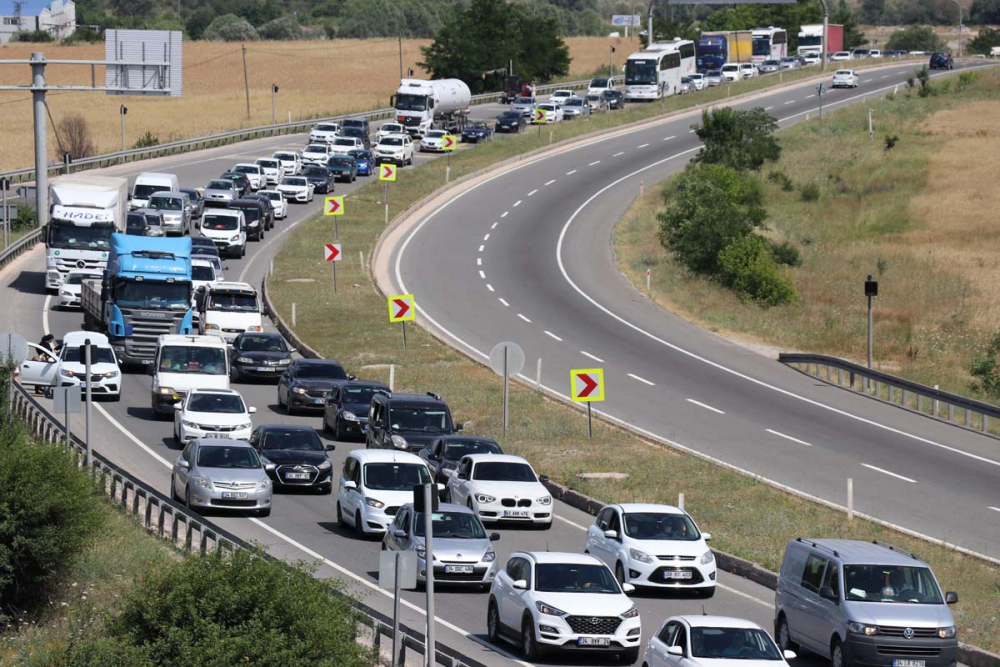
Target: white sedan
(212, 413)
(277, 202)
(316, 154)
(560, 96)
(845, 78)
(389, 128)
(273, 171)
(296, 188)
(291, 162)
(72, 286)
(498, 487)
(712, 641)
(432, 141)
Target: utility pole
(274, 102)
(959, 27)
(871, 291)
(246, 80)
(400, 38)
(41, 144)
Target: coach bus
(769, 44)
(656, 71)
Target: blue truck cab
(145, 292)
(713, 52)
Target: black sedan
(320, 177)
(477, 131)
(241, 181)
(308, 382)
(614, 99)
(511, 121)
(259, 355)
(293, 456)
(346, 412)
(443, 454)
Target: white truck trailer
(422, 105)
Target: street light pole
(611, 62)
(959, 27)
(274, 102)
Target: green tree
(708, 207)
(987, 39)
(741, 139)
(198, 22)
(284, 28)
(844, 16)
(591, 23)
(365, 19)
(230, 28)
(32, 36)
(985, 11)
(985, 368)
(136, 8)
(915, 38)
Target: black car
(294, 456)
(444, 453)
(255, 214)
(407, 422)
(942, 60)
(268, 208)
(346, 412)
(259, 355)
(240, 180)
(359, 123)
(320, 177)
(357, 133)
(307, 384)
(477, 131)
(615, 99)
(202, 245)
(511, 121)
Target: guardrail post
(951, 416)
(906, 400)
(850, 498)
(827, 372)
(840, 382)
(986, 423)
(936, 405)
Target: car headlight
(189, 424)
(264, 484)
(946, 633)
(631, 613)
(245, 425)
(862, 629)
(640, 556)
(212, 326)
(234, 239)
(244, 360)
(203, 482)
(548, 610)
(707, 557)
(63, 292)
(325, 465)
(399, 442)
(165, 391)
(111, 374)
(377, 504)
(299, 390)
(484, 499)
(284, 361)
(421, 551)
(544, 500)
(349, 416)
(66, 374)
(490, 555)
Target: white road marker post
(361, 254)
(392, 377)
(649, 273)
(293, 313)
(850, 498)
(538, 374)
(680, 501)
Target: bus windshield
(640, 72)
(762, 46)
(66, 235)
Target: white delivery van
(184, 363)
(227, 309)
(149, 182)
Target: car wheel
(359, 528)
(340, 517)
(243, 251)
(173, 490)
(326, 425)
(529, 646)
(177, 437)
(837, 658)
(784, 637)
(187, 502)
(620, 573)
(236, 374)
(493, 622)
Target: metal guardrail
(931, 402)
(190, 533)
(234, 136)
(19, 246)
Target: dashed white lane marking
(552, 335)
(551, 182)
(791, 102)
(642, 380)
(494, 225)
(995, 509)
(590, 356)
(692, 131)
(481, 248)
(532, 192)
(867, 81)
(890, 474)
(504, 302)
(504, 214)
(768, 108)
(885, 76)
(707, 407)
(524, 318)
(490, 287)
(486, 238)
(594, 162)
(788, 437)
(479, 261)
(643, 146)
(482, 274)
(570, 173)
(672, 136)
(618, 153)
(517, 203)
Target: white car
(560, 96)
(203, 274)
(272, 169)
(291, 162)
(550, 601)
(656, 546)
(317, 153)
(748, 70)
(254, 174)
(553, 112)
(732, 72)
(389, 128)
(812, 58)
(712, 641)
(212, 413)
(845, 78)
(72, 285)
(432, 141)
(374, 484)
(296, 188)
(394, 148)
(499, 487)
(69, 369)
(698, 81)
(277, 202)
(841, 55)
(600, 84)
(227, 228)
(875, 53)
(324, 132)
(344, 146)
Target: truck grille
(66, 265)
(145, 332)
(914, 651)
(594, 625)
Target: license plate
(264, 368)
(909, 663)
(593, 641)
(221, 436)
(458, 569)
(676, 575)
(297, 475)
(234, 495)
(517, 514)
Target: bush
(781, 178)
(915, 38)
(810, 192)
(785, 253)
(984, 41)
(739, 139)
(77, 140)
(966, 79)
(747, 266)
(32, 36)
(986, 369)
(147, 140)
(26, 218)
(284, 28)
(924, 77)
(230, 28)
(890, 141)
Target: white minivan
(184, 363)
(148, 183)
(227, 309)
(374, 484)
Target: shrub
(26, 218)
(810, 192)
(966, 79)
(741, 139)
(890, 141)
(915, 38)
(147, 140)
(781, 178)
(284, 28)
(924, 77)
(984, 41)
(986, 369)
(77, 139)
(747, 266)
(785, 253)
(32, 36)
(230, 28)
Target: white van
(184, 363)
(228, 309)
(149, 182)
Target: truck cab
(183, 363)
(227, 309)
(440, 104)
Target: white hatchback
(712, 641)
(212, 413)
(732, 72)
(845, 78)
(389, 128)
(317, 153)
(560, 96)
(500, 487)
(272, 169)
(291, 162)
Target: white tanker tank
(442, 104)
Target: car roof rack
(896, 549)
(817, 545)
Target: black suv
(357, 133)
(294, 456)
(407, 422)
(942, 60)
(346, 412)
(444, 453)
(361, 123)
(256, 215)
(268, 209)
(307, 383)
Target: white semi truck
(84, 211)
(422, 106)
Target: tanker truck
(422, 106)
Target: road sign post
(334, 206)
(4, 185)
(539, 118)
(67, 401)
(402, 309)
(333, 255)
(88, 350)
(397, 570)
(449, 143)
(430, 506)
(387, 174)
(586, 385)
(506, 359)
(820, 90)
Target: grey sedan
(463, 553)
(197, 201)
(212, 473)
(220, 192)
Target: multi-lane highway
(303, 526)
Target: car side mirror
(628, 588)
(270, 467)
(178, 407)
(494, 537)
(252, 410)
(350, 484)
(182, 463)
(292, 350)
(611, 534)
(399, 532)
(706, 536)
(521, 585)
(951, 597)
(352, 376)
(827, 594)
(330, 448)
(459, 428)
(462, 475)
(675, 650)
(789, 655)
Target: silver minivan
(863, 603)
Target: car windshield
(733, 644)
(353, 132)
(202, 273)
(599, 82)
(574, 578)
(67, 235)
(269, 164)
(423, 420)
(299, 439)
(261, 343)
(410, 102)
(524, 100)
(142, 191)
(730, 68)
(219, 185)
(227, 404)
(184, 359)
(77, 278)
(388, 128)
(503, 471)
(222, 456)
(165, 204)
(391, 141)
(686, 79)
(714, 72)
(890, 583)
(315, 171)
(844, 72)
(395, 476)
(295, 182)
(326, 128)
(345, 141)
(321, 371)
(456, 449)
(660, 526)
(246, 169)
(357, 395)
(103, 356)
(451, 525)
(285, 157)
(479, 125)
(221, 222)
(510, 115)
(574, 102)
(272, 195)
(341, 162)
(233, 301)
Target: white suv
(548, 601)
(212, 413)
(317, 153)
(394, 148)
(500, 487)
(653, 545)
(374, 484)
(324, 132)
(291, 162)
(732, 72)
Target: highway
(303, 526)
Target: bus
(769, 44)
(656, 72)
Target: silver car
(220, 192)
(713, 77)
(197, 201)
(575, 107)
(213, 473)
(523, 105)
(770, 66)
(463, 552)
(687, 86)
(175, 207)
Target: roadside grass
(914, 216)
(747, 518)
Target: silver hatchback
(212, 473)
(463, 552)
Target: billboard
(619, 20)
(161, 49)
(730, 2)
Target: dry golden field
(316, 78)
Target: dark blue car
(364, 160)
(476, 132)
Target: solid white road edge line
(788, 437)
(890, 474)
(642, 380)
(705, 405)
(552, 335)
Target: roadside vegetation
(746, 517)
